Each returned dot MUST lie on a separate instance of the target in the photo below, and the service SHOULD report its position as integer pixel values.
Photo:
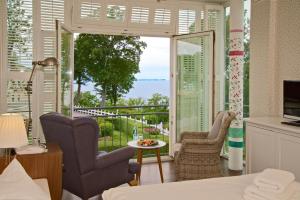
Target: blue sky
(155, 60)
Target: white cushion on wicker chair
(216, 126)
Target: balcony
(116, 124)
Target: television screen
(291, 99)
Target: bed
(43, 183)
(16, 184)
(225, 188)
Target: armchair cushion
(104, 160)
(216, 126)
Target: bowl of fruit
(147, 142)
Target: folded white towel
(253, 193)
(274, 180)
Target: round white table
(140, 150)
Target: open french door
(65, 56)
(192, 80)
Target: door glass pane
(192, 90)
(66, 72)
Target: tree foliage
(110, 62)
(136, 102)
(87, 99)
(81, 63)
(158, 99)
(65, 75)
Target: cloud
(155, 61)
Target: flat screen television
(291, 101)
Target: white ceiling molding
(144, 17)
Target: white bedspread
(43, 183)
(227, 188)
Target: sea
(143, 88)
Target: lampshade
(12, 131)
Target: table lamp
(12, 132)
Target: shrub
(156, 119)
(122, 125)
(106, 129)
(152, 131)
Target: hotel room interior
(211, 150)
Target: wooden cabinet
(45, 165)
(269, 144)
(289, 154)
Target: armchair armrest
(193, 135)
(116, 156)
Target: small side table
(43, 165)
(140, 150)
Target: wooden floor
(150, 172)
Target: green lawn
(121, 136)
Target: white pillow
(214, 132)
(15, 184)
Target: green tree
(122, 102)
(158, 99)
(246, 64)
(81, 63)
(136, 102)
(87, 99)
(111, 63)
(65, 75)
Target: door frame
(173, 145)
(59, 27)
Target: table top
(274, 122)
(134, 144)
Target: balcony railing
(116, 124)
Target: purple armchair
(87, 172)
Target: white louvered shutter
(51, 10)
(2, 57)
(186, 21)
(90, 10)
(19, 53)
(193, 78)
(115, 13)
(139, 15)
(47, 89)
(117, 16)
(19, 29)
(215, 19)
(162, 16)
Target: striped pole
(236, 55)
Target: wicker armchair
(199, 155)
